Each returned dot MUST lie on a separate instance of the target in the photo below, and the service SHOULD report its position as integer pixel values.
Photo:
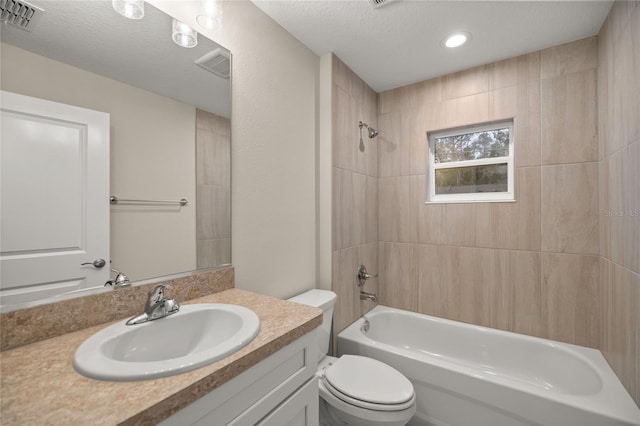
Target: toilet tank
(323, 299)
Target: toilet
(356, 390)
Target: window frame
(432, 166)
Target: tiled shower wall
(354, 192)
(213, 188)
(529, 266)
(563, 261)
(619, 135)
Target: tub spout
(368, 296)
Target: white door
(54, 192)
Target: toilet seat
(368, 383)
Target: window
(470, 164)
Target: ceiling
(91, 35)
(400, 43)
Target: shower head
(371, 131)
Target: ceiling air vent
(19, 13)
(217, 61)
(377, 4)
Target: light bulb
(132, 9)
(183, 35)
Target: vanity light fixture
(132, 9)
(183, 35)
(456, 39)
(210, 16)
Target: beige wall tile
(397, 284)
(570, 285)
(603, 94)
(570, 208)
(466, 110)
(503, 73)
(614, 211)
(213, 201)
(213, 154)
(367, 255)
(371, 210)
(341, 74)
(433, 279)
(426, 221)
(516, 292)
(465, 83)
(605, 219)
(569, 58)
(213, 252)
(213, 123)
(355, 208)
(390, 151)
(625, 107)
(346, 134)
(528, 68)
(622, 325)
(393, 209)
(345, 264)
(416, 136)
(518, 225)
(527, 124)
(502, 103)
(458, 224)
(631, 207)
(569, 118)
(344, 285)
(618, 112)
(474, 295)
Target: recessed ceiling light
(457, 39)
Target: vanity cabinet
(280, 390)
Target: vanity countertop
(38, 384)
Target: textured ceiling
(400, 43)
(91, 35)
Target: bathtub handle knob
(363, 275)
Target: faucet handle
(156, 294)
(363, 275)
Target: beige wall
(529, 266)
(619, 134)
(274, 133)
(151, 158)
(355, 193)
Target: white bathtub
(467, 375)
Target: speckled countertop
(39, 385)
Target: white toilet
(356, 390)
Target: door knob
(98, 263)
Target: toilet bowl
(360, 391)
(356, 390)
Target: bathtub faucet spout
(368, 296)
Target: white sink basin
(195, 336)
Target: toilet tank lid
(322, 299)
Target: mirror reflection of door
(54, 184)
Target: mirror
(171, 144)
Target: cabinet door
(300, 409)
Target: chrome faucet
(120, 280)
(363, 276)
(368, 296)
(157, 306)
